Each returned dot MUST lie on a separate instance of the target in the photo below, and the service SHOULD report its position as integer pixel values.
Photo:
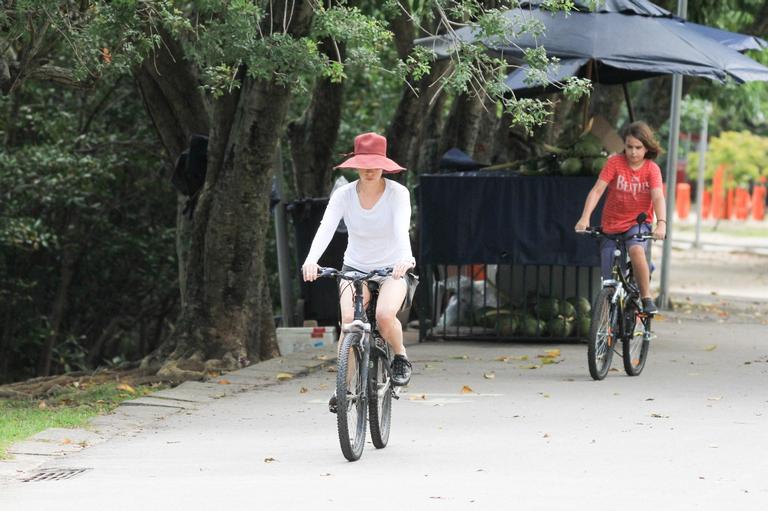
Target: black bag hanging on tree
(189, 173)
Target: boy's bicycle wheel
(635, 346)
(350, 396)
(380, 405)
(602, 335)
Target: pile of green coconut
(542, 317)
(585, 157)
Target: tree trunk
(461, 128)
(313, 136)
(226, 317)
(68, 261)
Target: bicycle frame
(625, 287)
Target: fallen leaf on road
(546, 435)
(41, 405)
(659, 317)
(547, 361)
(214, 374)
(466, 389)
(532, 366)
(713, 446)
(327, 474)
(224, 382)
(659, 416)
(284, 376)
(66, 441)
(552, 353)
(489, 376)
(269, 460)
(460, 357)
(714, 398)
(303, 390)
(331, 369)
(649, 399)
(711, 347)
(326, 357)
(126, 387)
(543, 394)
(420, 397)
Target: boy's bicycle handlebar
(597, 232)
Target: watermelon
(488, 316)
(547, 308)
(530, 327)
(583, 325)
(560, 327)
(507, 325)
(581, 304)
(567, 309)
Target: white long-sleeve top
(378, 237)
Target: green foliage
(745, 155)
(81, 188)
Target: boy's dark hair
(644, 134)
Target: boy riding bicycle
(634, 186)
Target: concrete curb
(132, 416)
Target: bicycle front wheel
(601, 335)
(635, 346)
(350, 396)
(380, 406)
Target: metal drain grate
(54, 474)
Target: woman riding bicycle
(377, 213)
(634, 186)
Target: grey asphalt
(478, 427)
(482, 425)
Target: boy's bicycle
(617, 314)
(364, 379)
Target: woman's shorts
(411, 282)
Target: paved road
(690, 433)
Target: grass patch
(73, 407)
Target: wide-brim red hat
(370, 153)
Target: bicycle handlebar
(354, 275)
(597, 232)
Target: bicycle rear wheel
(635, 346)
(350, 396)
(601, 335)
(380, 406)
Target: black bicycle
(617, 314)
(364, 377)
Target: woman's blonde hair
(644, 134)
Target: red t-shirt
(629, 192)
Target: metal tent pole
(674, 135)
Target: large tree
(232, 71)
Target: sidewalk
(133, 417)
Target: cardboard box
(293, 339)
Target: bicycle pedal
(396, 392)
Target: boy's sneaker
(649, 307)
(401, 370)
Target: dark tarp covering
(321, 300)
(499, 217)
